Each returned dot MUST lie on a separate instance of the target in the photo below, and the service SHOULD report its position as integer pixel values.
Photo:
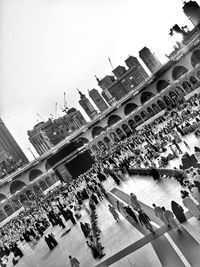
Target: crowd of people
(142, 149)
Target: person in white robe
(191, 206)
(169, 216)
(160, 214)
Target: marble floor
(167, 248)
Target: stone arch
(113, 119)
(193, 80)
(161, 104)
(179, 90)
(16, 186)
(29, 194)
(167, 100)
(114, 137)
(120, 133)
(187, 86)
(47, 166)
(198, 74)
(101, 145)
(2, 197)
(55, 177)
(195, 58)
(145, 96)
(82, 141)
(43, 185)
(129, 108)
(49, 180)
(126, 129)
(137, 119)
(150, 110)
(97, 130)
(37, 190)
(94, 148)
(156, 108)
(107, 140)
(173, 95)
(131, 123)
(2, 215)
(178, 71)
(16, 204)
(161, 85)
(8, 209)
(24, 200)
(143, 115)
(34, 174)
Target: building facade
(124, 80)
(11, 155)
(47, 134)
(192, 11)
(98, 100)
(87, 106)
(149, 59)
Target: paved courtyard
(167, 248)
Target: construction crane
(56, 109)
(65, 109)
(39, 117)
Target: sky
(48, 47)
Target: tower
(10, 146)
(87, 106)
(149, 59)
(192, 11)
(104, 84)
(132, 62)
(98, 100)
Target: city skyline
(23, 82)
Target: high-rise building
(126, 80)
(87, 106)
(39, 138)
(47, 134)
(98, 100)
(192, 11)
(9, 147)
(149, 59)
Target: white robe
(197, 156)
(160, 214)
(170, 219)
(195, 193)
(191, 206)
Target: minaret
(87, 106)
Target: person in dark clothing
(84, 229)
(71, 216)
(178, 212)
(184, 193)
(145, 220)
(155, 174)
(52, 240)
(115, 178)
(101, 176)
(52, 218)
(59, 221)
(26, 237)
(39, 228)
(94, 198)
(131, 213)
(16, 251)
(49, 244)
